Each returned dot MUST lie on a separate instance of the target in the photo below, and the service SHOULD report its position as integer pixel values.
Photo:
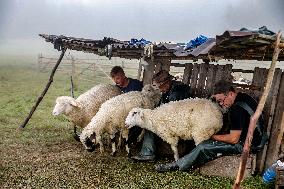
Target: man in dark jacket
(171, 91)
(125, 84)
(220, 144)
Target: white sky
(156, 20)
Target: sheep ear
(141, 114)
(74, 103)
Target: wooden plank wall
(153, 67)
(259, 79)
(202, 77)
(277, 128)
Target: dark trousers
(207, 151)
(148, 146)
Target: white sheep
(188, 119)
(80, 111)
(111, 116)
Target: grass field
(45, 155)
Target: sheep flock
(104, 110)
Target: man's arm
(231, 138)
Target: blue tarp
(195, 42)
(142, 41)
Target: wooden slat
(178, 65)
(211, 74)
(158, 67)
(277, 127)
(187, 73)
(148, 72)
(242, 71)
(219, 73)
(166, 64)
(227, 72)
(201, 80)
(194, 78)
(259, 78)
(279, 178)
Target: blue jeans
(207, 151)
(148, 146)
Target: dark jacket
(133, 85)
(178, 91)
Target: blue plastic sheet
(195, 42)
(142, 41)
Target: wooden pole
(256, 115)
(44, 91)
(72, 87)
(139, 70)
(75, 135)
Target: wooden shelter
(235, 45)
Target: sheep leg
(173, 141)
(141, 136)
(125, 137)
(175, 150)
(99, 140)
(119, 141)
(75, 134)
(112, 138)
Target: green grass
(45, 155)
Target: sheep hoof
(76, 137)
(113, 154)
(91, 149)
(129, 155)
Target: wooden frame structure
(202, 77)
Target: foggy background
(156, 20)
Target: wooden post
(187, 73)
(73, 73)
(139, 70)
(166, 64)
(72, 87)
(44, 91)
(270, 106)
(75, 135)
(148, 72)
(256, 115)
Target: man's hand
(231, 138)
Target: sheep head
(222, 109)
(135, 118)
(89, 143)
(153, 92)
(64, 105)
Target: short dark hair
(116, 70)
(162, 76)
(223, 86)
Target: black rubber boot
(167, 167)
(143, 158)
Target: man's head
(224, 93)
(118, 76)
(163, 80)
